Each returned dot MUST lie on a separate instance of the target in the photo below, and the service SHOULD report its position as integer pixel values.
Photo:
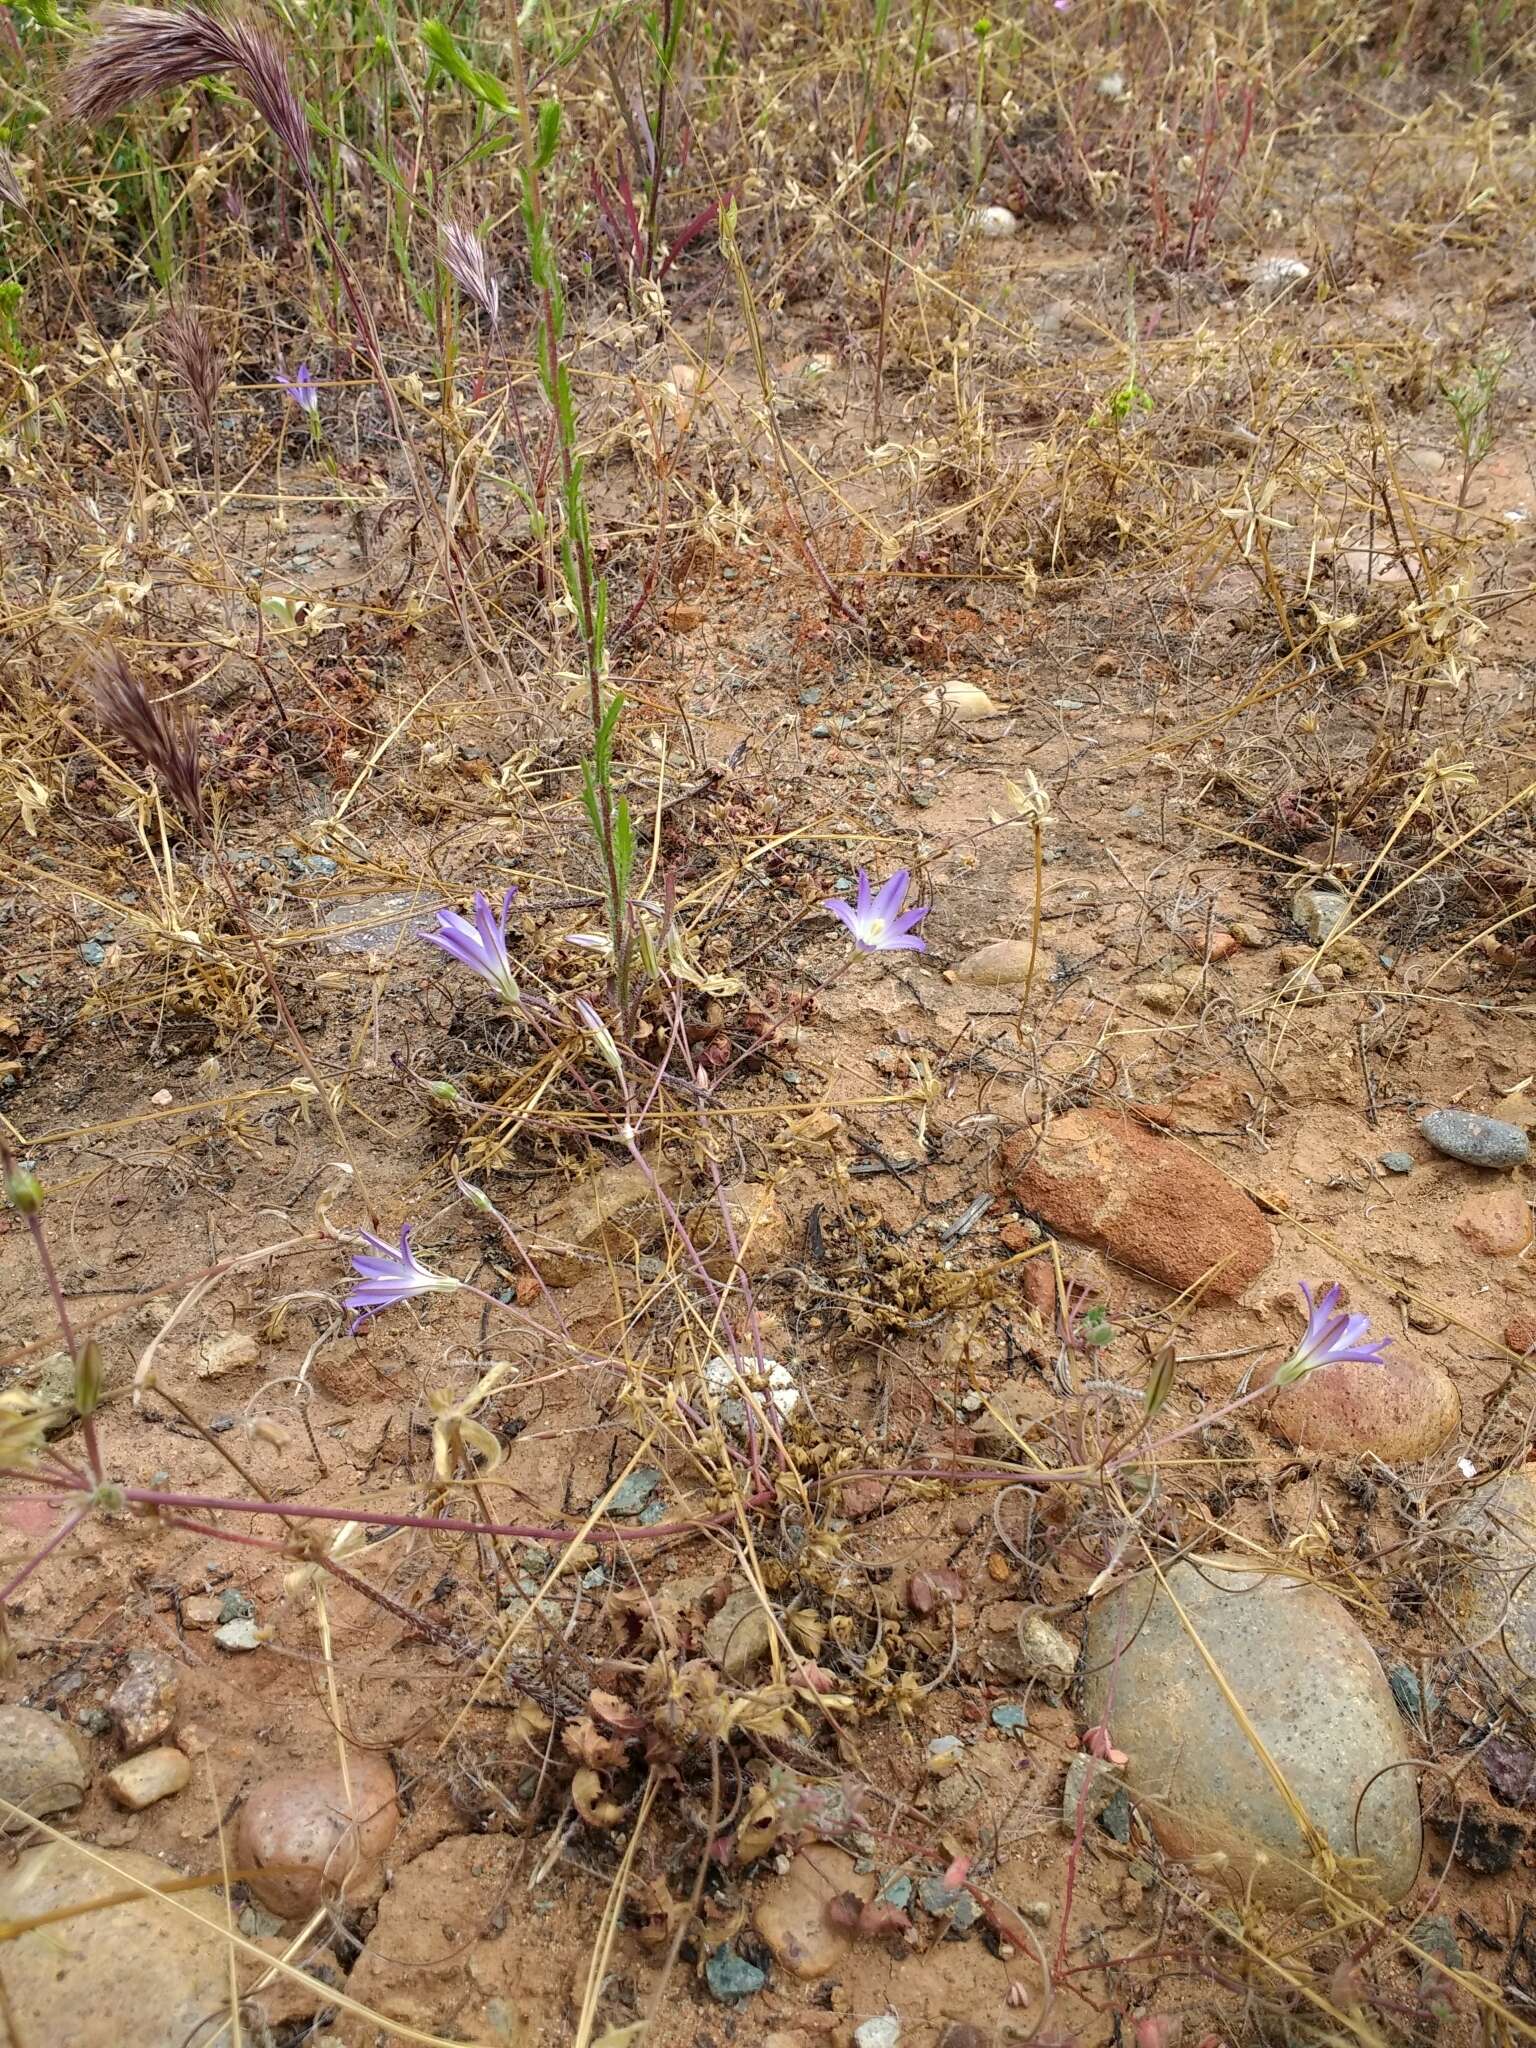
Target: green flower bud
(23, 1190)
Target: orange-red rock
(1156, 1206)
(1495, 1222)
(1402, 1409)
(1520, 1334)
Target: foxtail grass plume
(468, 263)
(10, 185)
(188, 349)
(135, 51)
(161, 736)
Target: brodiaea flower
(386, 1276)
(1331, 1338)
(301, 388)
(877, 921)
(479, 943)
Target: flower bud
(88, 1378)
(23, 1190)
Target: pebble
(1000, 964)
(730, 1976)
(1492, 1594)
(43, 1768)
(1397, 1162)
(1091, 1785)
(1476, 1140)
(1495, 1222)
(300, 1819)
(737, 1638)
(1319, 910)
(994, 224)
(791, 1916)
(1327, 1719)
(1159, 1207)
(239, 1636)
(1520, 1334)
(1401, 1410)
(884, 2031)
(80, 1978)
(151, 1775)
(143, 1704)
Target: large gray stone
(1476, 1140)
(151, 1971)
(1491, 1596)
(1314, 1695)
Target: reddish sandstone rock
(1520, 1334)
(1495, 1222)
(1402, 1409)
(1151, 1204)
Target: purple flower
(479, 943)
(1330, 1338)
(878, 922)
(391, 1276)
(301, 388)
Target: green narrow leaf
(451, 58)
(548, 134)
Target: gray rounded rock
(1397, 1162)
(1313, 1693)
(43, 1768)
(152, 1971)
(1491, 1596)
(1476, 1140)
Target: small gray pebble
(1397, 1162)
(1476, 1140)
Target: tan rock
(1495, 1222)
(610, 1216)
(143, 1705)
(298, 1833)
(229, 1353)
(146, 1972)
(1152, 1204)
(1402, 1410)
(762, 1231)
(1307, 1684)
(43, 1767)
(1001, 964)
(792, 1918)
(152, 1775)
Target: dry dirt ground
(1265, 626)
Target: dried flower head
(160, 735)
(468, 263)
(188, 349)
(139, 50)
